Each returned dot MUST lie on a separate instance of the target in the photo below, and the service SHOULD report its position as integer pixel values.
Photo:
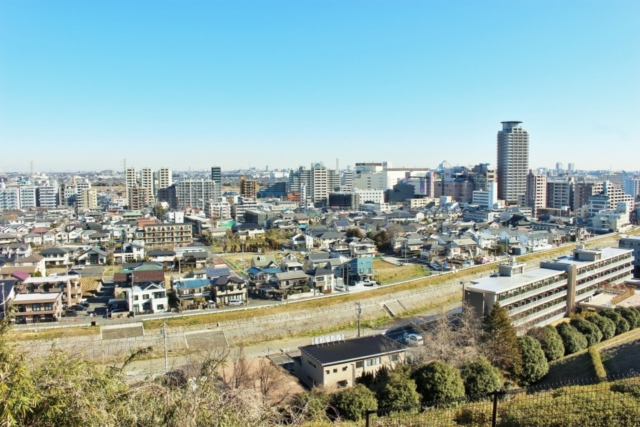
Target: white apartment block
(48, 196)
(195, 193)
(219, 209)
(513, 161)
(613, 220)
(165, 179)
(370, 196)
(544, 295)
(487, 199)
(27, 196)
(130, 181)
(147, 181)
(609, 198)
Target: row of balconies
(522, 295)
(560, 305)
(537, 302)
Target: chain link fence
(608, 402)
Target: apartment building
(37, 307)
(369, 195)
(218, 209)
(559, 193)
(28, 197)
(536, 191)
(169, 234)
(48, 196)
(68, 286)
(216, 175)
(581, 193)
(195, 193)
(544, 295)
(513, 161)
(147, 181)
(314, 184)
(633, 243)
(165, 179)
(9, 197)
(139, 197)
(87, 199)
(248, 188)
(609, 198)
(631, 186)
(130, 181)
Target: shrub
(573, 340)
(621, 323)
(480, 378)
(353, 402)
(596, 361)
(501, 341)
(606, 325)
(534, 362)
(397, 389)
(629, 315)
(588, 329)
(550, 341)
(438, 381)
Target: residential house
(129, 252)
(147, 297)
(56, 256)
(229, 290)
(301, 241)
(92, 256)
(162, 256)
(34, 260)
(37, 307)
(340, 363)
(13, 251)
(290, 281)
(322, 280)
(68, 286)
(187, 289)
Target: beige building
(536, 191)
(338, 364)
(139, 197)
(170, 234)
(87, 199)
(34, 308)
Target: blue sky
(84, 84)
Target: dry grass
(89, 285)
(50, 334)
(378, 264)
(399, 274)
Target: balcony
(540, 313)
(537, 302)
(533, 292)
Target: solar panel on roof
(217, 272)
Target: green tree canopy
(573, 340)
(606, 325)
(621, 323)
(588, 329)
(549, 340)
(534, 361)
(353, 402)
(501, 341)
(480, 377)
(438, 381)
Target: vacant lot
(394, 274)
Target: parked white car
(412, 340)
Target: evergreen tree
(621, 323)
(534, 362)
(438, 381)
(353, 402)
(573, 340)
(588, 329)
(549, 340)
(480, 378)
(606, 325)
(501, 341)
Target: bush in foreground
(534, 362)
(550, 341)
(606, 325)
(353, 402)
(629, 315)
(480, 378)
(438, 381)
(621, 323)
(588, 329)
(573, 340)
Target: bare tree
(271, 380)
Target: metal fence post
(367, 417)
(494, 417)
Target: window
(135, 297)
(335, 370)
(48, 306)
(373, 361)
(393, 357)
(36, 307)
(327, 372)
(344, 368)
(359, 365)
(160, 306)
(145, 296)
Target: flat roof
(605, 254)
(37, 297)
(501, 284)
(50, 279)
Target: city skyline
(84, 85)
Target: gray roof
(353, 349)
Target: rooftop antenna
(31, 167)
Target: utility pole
(359, 312)
(164, 335)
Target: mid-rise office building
(544, 295)
(48, 196)
(216, 175)
(274, 190)
(513, 161)
(631, 186)
(345, 200)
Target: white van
(413, 340)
